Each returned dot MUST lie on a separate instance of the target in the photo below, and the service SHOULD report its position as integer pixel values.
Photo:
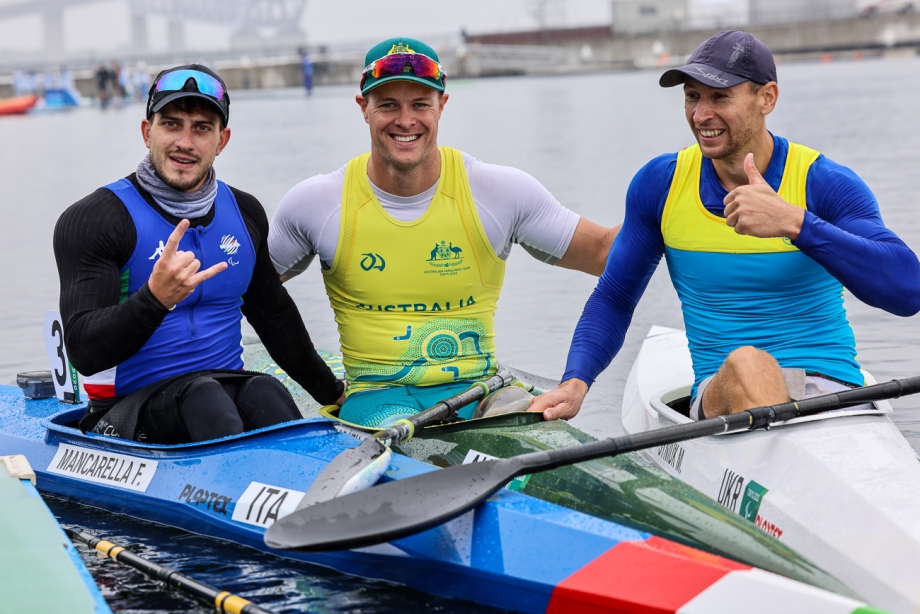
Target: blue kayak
(513, 551)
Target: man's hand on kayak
(563, 402)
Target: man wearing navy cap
(156, 270)
(412, 239)
(760, 234)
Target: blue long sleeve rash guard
(842, 230)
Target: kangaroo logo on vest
(373, 261)
(446, 259)
(158, 251)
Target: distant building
(717, 14)
(548, 36)
(647, 16)
(765, 12)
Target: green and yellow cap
(402, 59)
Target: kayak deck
(513, 551)
(627, 489)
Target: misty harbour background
(583, 136)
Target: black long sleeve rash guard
(93, 240)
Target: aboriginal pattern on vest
(414, 301)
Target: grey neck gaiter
(185, 205)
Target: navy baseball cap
(725, 60)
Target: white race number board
(66, 379)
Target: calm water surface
(582, 136)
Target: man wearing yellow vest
(412, 239)
(760, 236)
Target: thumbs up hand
(750, 169)
(758, 211)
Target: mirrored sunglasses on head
(177, 80)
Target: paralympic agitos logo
(373, 261)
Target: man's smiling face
(403, 118)
(183, 145)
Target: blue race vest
(203, 331)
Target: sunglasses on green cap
(402, 59)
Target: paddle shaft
(406, 506)
(758, 417)
(444, 409)
(222, 600)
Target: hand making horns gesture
(175, 274)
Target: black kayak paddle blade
(392, 510)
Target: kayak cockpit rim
(664, 404)
(58, 426)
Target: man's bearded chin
(181, 186)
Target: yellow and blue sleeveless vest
(414, 301)
(738, 290)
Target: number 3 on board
(66, 379)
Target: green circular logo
(442, 347)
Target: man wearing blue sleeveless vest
(760, 234)
(157, 270)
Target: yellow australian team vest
(738, 290)
(414, 301)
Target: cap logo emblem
(400, 48)
(711, 76)
(738, 50)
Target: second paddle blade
(390, 511)
(352, 470)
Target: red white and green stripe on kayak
(631, 578)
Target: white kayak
(842, 488)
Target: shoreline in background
(563, 51)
